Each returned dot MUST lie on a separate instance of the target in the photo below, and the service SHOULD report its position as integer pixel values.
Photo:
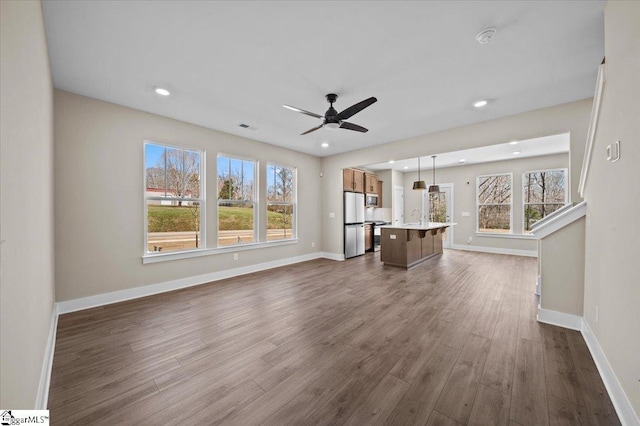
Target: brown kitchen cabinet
(352, 180)
(370, 183)
(368, 237)
(379, 194)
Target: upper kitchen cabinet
(370, 183)
(379, 193)
(353, 180)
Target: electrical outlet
(235, 256)
(469, 240)
(332, 215)
(597, 314)
(313, 244)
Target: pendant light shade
(432, 188)
(419, 185)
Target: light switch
(332, 215)
(466, 214)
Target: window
(174, 200)
(494, 203)
(544, 192)
(236, 201)
(281, 202)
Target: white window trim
(567, 194)
(294, 228)
(203, 201)
(478, 206)
(187, 254)
(256, 201)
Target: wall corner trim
(42, 398)
(560, 319)
(528, 253)
(619, 398)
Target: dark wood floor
(452, 342)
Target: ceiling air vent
(247, 126)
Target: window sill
(165, 257)
(507, 236)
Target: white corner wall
(612, 192)
(26, 203)
(99, 198)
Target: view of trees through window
(543, 192)
(173, 198)
(236, 201)
(494, 203)
(280, 202)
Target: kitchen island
(405, 246)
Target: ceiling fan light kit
(334, 120)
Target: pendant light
(419, 185)
(434, 188)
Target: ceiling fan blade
(312, 130)
(351, 126)
(354, 109)
(312, 114)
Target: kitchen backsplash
(373, 213)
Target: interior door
(439, 208)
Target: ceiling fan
(332, 119)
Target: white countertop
(417, 226)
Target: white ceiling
(547, 145)
(237, 62)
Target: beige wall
(572, 117)
(26, 192)
(465, 198)
(99, 197)
(562, 260)
(612, 267)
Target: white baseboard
(624, 409)
(528, 253)
(333, 256)
(149, 290)
(45, 375)
(573, 322)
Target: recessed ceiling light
(481, 103)
(462, 160)
(161, 91)
(516, 152)
(513, 143)
(325, 144)
(391, 161)
(405, 167)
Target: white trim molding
(495, 250)
(624, 409)
(149, 290)
(593, 126)
(333, 256)
(561, 319)
(560, 220)
(45, 375)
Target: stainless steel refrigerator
(353, 224)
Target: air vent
(247, 126)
